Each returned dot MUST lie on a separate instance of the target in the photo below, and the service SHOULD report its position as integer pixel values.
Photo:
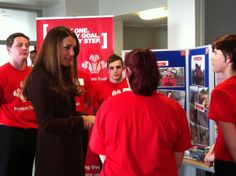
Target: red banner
(96, 37)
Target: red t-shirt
(85, 83)
(14, 110)
(139, 135)
(222, 108)
(106, 89)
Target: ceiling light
(153, 13)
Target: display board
(172, 65)
(199, 95)
(187, 77)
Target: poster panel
(173, 73)
(199, 92)
(96, 37)
(172, 65)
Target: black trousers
(17, 151)
(224, 168)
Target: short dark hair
(114, 57)
(34, 51)
(11, 38)
(227, 45)
(144, 75)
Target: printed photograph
(177, 95)
(198, 70)
(172, 77)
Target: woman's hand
(88, 120)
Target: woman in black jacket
(52, 86)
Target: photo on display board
(177, 95)
(198, 115)
(203, 97)
(198, 70)
(172, 77)
(199, 135)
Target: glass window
(5, 57)
(17, 21)
(14, 20)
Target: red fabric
(139, 134)
(96, 38)
(92, 164)
(85, 83)
(106, 89)
(222, 108)
(168, 81)
(14, 110)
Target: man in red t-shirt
(222, 106)
(17, 118)
(115, 84)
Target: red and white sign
(96, 37)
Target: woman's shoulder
(39, 73)
(38, 77)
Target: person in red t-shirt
(17, 119)
(115, 84)
(222, 105)
(141, 132)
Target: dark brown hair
(63, 81)
(10, 39)
(113, 58)
(144, 75)
(227, 45)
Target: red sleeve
(96, 142)
(222, 107)
(184, 141)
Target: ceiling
(129, 20)
(132, 20)
(30, 3)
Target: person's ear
(228, 59)
(8, 50)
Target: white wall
(181, 24)
(82, 7)
(121, 7)
(11, 21)
(17, 21)
(155, 38)
(160, 38)
(114, 7)
(73, 8)
(58, 10)
(220, 19)
(118, 35)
